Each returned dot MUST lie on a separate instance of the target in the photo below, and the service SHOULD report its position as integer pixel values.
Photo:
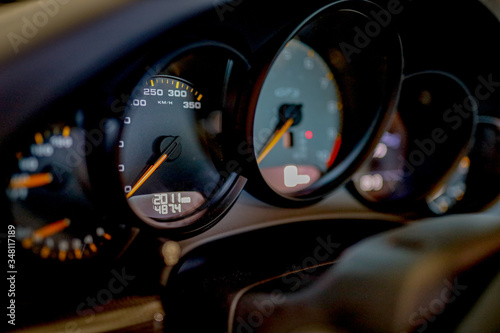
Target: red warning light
(309, 135)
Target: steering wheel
(435, 275)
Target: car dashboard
(198, 165)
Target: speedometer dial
(173, 166)
(166, 171)
(172, 163)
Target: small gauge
(421, 164)
(52, 214)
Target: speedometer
(166, 169)
(170, 152)
(159, 158)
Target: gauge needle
(169, 150)
(51, 229)
(31, 181)
(275, 139)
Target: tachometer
(316, 110)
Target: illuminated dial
(298, 120)
(52, 215)
(165, 159)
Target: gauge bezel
(155, 63)
(352, 153)
(80, 191)
(417, 205)
(482, 170)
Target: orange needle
(275, 139)
(51, 229)
(153, 168)
(31, 181)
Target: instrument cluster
(202, 120)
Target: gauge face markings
(298, 120)
(49, 208)
(166, 171)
